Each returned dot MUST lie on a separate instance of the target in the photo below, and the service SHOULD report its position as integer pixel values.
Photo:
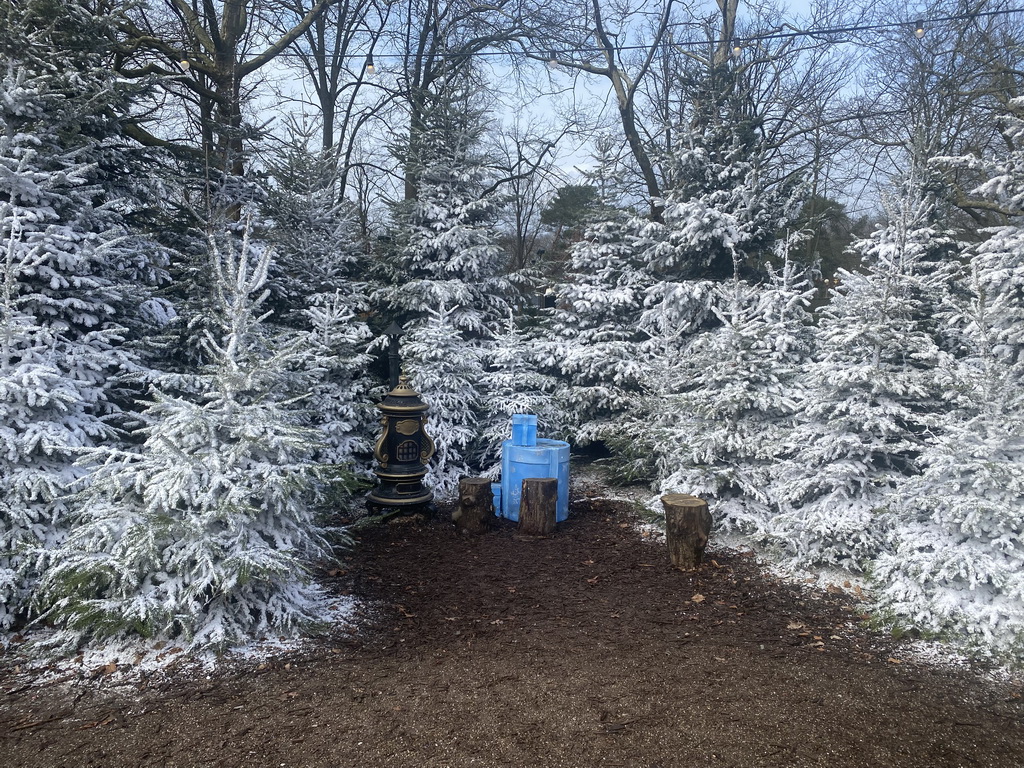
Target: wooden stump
(537, 507)
(687, 529)
(475, 512)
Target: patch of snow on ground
(124, 662)
(935, 654)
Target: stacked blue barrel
(526, 456)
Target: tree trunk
(687, 529)
(475, 511)
(624, 98)
(537, 508)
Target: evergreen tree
(444, 277)
(997, 264)
(314, 235)
(446, 250)
(447, 372)
(593, 339)
(721, 411)
(958, 557)
(719, 203)
(872, 393)
(71, 274)
(318, 290)
(638, 289)
(201, 533)
(333, 373)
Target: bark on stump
(475, 512)
(687, 529)
(537, 507)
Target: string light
(919, 29)
(737, 48)
(370, 68)
(552, 60)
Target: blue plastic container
(545, 458)
(524, 429)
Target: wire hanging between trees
(555, 56)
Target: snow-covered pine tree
(592, 335)
(997, 265)
(444, 279)
(447, 372)
(872, 392)
(313, 233)
(957, 568)
(957, 565)
(640, 289)
(71, 272)
(202, 532)
(721, 216)
(333, 370)
(591, 340)
(446, 250)
(318, 290)
(721, 411)
(514, 383)
(721, 203)
(52, 403)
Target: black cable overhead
(917, 27)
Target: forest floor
(581, 649)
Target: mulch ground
(582, 649)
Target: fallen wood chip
(37, 723)
(95, 724)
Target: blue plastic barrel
(548, 458)
(524, 429)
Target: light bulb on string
(919, 29)
(552, 60)
(737, 47)
(370, 68)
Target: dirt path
(583, 649)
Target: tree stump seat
(475, 511)
(687, 529)
(537, 508)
